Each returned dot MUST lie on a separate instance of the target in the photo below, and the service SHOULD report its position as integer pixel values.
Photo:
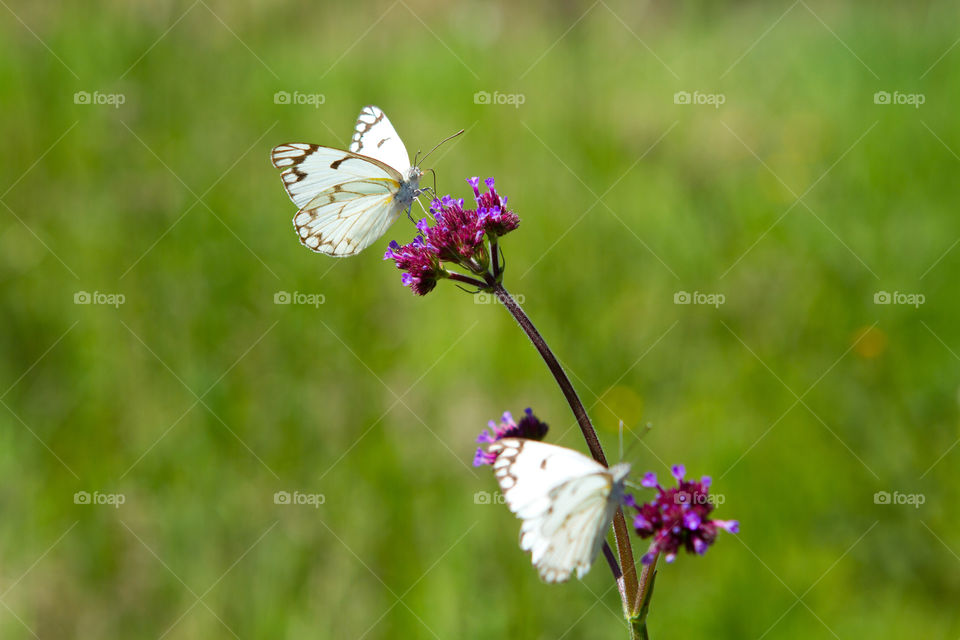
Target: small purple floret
(678, 517)
(529, 427)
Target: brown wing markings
(363, 127)
(280, 154)
(322, 236)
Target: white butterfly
(348, 199)
(565, 499)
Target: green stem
(647, 574)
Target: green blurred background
(798, 199)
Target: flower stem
(473, 282)
(615, 569)
(647, 574)
(593, 443)
(495, 257)
(620, 531)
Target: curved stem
(620, 530)
(473, 282)
(589, 434)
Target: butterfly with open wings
(348, 199)
(565, 499)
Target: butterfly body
(348, 199)
(409, 189)
(565, 499)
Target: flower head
(678, 517)
(497, 220)
(421, 263)
(529, 427)
(457, 235)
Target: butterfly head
(413, 175)
(409, 188)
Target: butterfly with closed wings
(565, 499)
(348, 199)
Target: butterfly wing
(570, 535)
(346, 200)
(565, 499)
(375, 137)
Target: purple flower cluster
(419, 261)
(492, 209)
(529, 427)
(458, 235)
(678, 517)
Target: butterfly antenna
(440, 143)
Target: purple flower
(492, 207)
(457, 235)
(678, 517)
(529, 427)
(421, 263)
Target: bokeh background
(799, 200)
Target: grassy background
(199, 398)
